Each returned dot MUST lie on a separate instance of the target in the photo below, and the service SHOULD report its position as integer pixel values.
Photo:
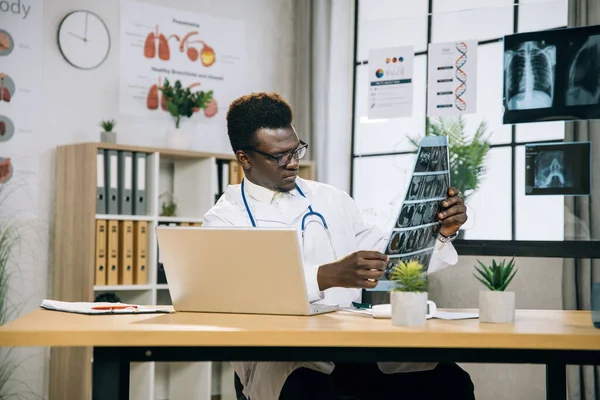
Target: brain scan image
(583, 87)
(405, 216)
(423, 160)
(530, 76)
(550, 171)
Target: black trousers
(364, 381)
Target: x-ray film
(552, 75)
(558, 169)
(417, 225)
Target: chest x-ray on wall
(558, 169)
(552, 75)
(530, 75)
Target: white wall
(75, 101)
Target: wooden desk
(554, 338)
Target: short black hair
(254, 111)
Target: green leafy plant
(497, 276)
(10, 239)
(409, 277)
(168, 210)
(181, 102)
(108, 125)
(467, 157)
(168, 204)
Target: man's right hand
(361, 270)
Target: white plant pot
(496, 307)
(178, 139)
(410, 308)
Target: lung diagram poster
(390, 82)
(452, 78)
(160, 43)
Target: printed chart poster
(158, 43)
(21, 39)
(390, 82)
(417, 225)
(452, 78)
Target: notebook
(102, 308)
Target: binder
(161, 277)
(112, 247)
(111, 180)
(100, 265)
(140, 253)
(126, 253)
(125, 182)
(100, 187)
(139, 183)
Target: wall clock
(83, 39)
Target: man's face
(264, 170)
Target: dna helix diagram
(461, 76)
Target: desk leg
(556, 381)
(110, 375)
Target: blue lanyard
(310, 209)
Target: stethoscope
(310, 212)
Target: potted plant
(408, 297)
(182, 102)
(466, 156)
(11, 385)
(108, 136)
(496, 305)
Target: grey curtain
(301, 102)
(312, 46)
(580, 224)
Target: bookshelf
(193, 180)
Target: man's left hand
(454, 213)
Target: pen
(112, 307)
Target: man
(339, 261)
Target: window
(388, 23)
(471, 19)
(489, 208)
(383, 162)
(379, 186)
(537, 15)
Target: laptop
(235, 270)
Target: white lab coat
(349, 232)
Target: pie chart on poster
(6, 170)
(7, 129)
(7, 43)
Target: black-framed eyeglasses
(285, 159)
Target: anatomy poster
(558, 169)
(390, 82)
(21, 39)
(452, 78)
(203, 52)
(417, 225)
